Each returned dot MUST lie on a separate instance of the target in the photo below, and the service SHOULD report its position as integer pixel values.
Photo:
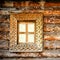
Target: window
(26, 32)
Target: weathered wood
(48, 37)
(51, 43)
(51, 28)
(4, 44)
(52, 20)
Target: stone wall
(51, 30)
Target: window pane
(31, 27)
(22, 27)
(22, 37)
(30, 37)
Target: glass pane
(31, 27)
(30, 37)
(22, 27)
(22, 37)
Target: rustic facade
(51, 13)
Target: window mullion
(34, 32)
(26, 32)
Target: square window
(26, 32)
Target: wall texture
(51, 12)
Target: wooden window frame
(26, 47)
(26, 30)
